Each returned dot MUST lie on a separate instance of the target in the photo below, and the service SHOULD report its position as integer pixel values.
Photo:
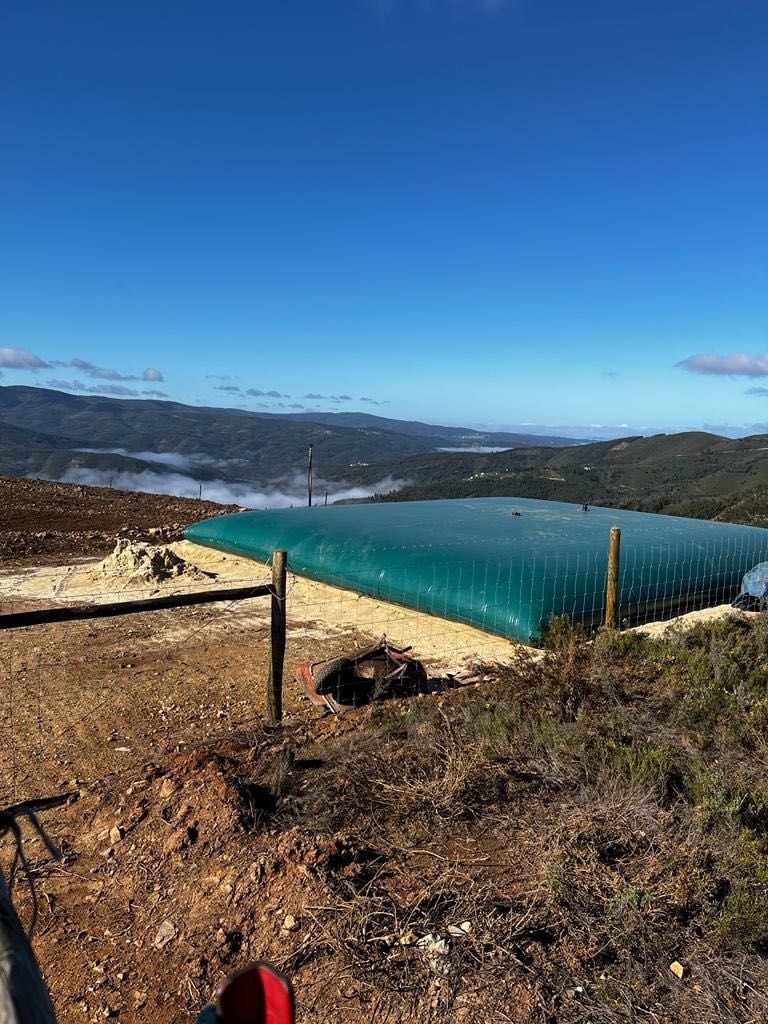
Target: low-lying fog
(281, 493)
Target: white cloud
(152, 374)
(732, 364)
(20, 359)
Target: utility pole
(309, 477)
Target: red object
(257, 995)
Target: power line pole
(309, 477)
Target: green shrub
(650, 767)
(561, 636)
(495, 727)
(722, 802)
(743, 924)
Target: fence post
(612, 591)
(277, 649)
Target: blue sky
(468, 211)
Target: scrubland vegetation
(619, 793)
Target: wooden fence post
(612, 592)
(277, 650)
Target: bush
(651, 767)
(743, 924)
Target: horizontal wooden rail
(102, 611)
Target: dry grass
(576, 818)
(589, 818)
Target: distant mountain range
(434, 434)
(693, 474)
(57, 435)
(259, 458)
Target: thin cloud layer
(107, 373)
(115, 390)
(108, 390)
(115, 381)
(99, 372)
(21, 359)
(326, 398)
(732, 364)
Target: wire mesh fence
(79, 700)
(82, 698)
(513, 599)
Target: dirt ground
(99, 707)
(197, 839)
(44, 522)
(87, 698)
(90, 706)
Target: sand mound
(144, 562)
